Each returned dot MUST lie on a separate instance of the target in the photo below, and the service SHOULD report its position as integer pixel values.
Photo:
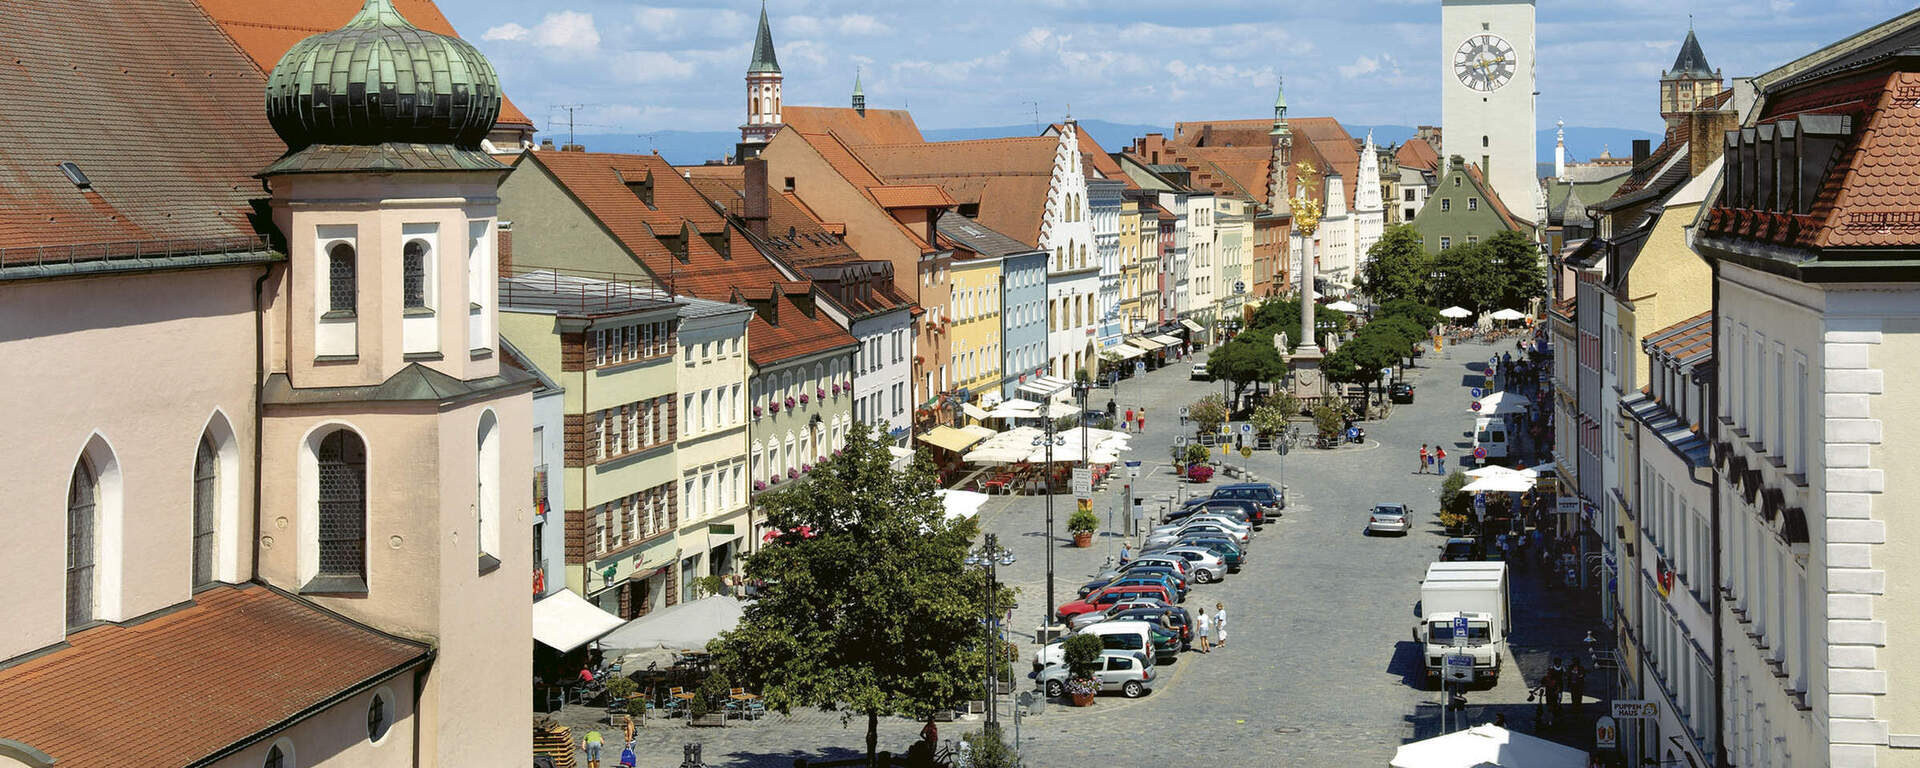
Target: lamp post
(1049, 439)
(991, 556)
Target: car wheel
(1205, 576)
(1133, 689)
(1055, 689)
(1366, 531)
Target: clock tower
(1487, 93)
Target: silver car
(1207, 566)
(1388, 518)
(1081, 621)
(1124, 671)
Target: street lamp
(991, 556)
(1049, 439)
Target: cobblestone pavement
(1319, 668)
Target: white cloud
(507, 31)
(862, 25)
(1361, 66)
(652, 66)
(570, 30)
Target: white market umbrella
(687, 625)
(1503, 403)
(1456, 313)
(1510, 483)
(960, 505)
(1487, 746)
(1508, 315)
(1492, 470)
(1344, 306)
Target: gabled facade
(1463, 209)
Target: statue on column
(1305, 360)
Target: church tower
(1282, 138)
(763, 93)
(1689, 81)
(859, 96)
(1487, 93)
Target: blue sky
(678, 65)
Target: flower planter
(1081, 699)
(1083, 539)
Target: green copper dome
(381, 79)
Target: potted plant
(621, 692)
(1200, 473)
(822, 394)
(713, 689)
(790, 403)
(756, 411)
(792, 473)
(774, 406)
(759, 485)
(803, 398)
(1082, 524)
(1082, 653)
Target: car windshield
(1441, 632)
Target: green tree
(1404, 334)
(1328, 421)
(1423, 315)
(1464, 276)
(872, 610)
(1515, 260)
(1283, 316)
(1271, 417)
(1248, 359)
(1361, 360)
(1397, 267)
(1209, 412)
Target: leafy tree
(1361, 360)
(1465, 277)
(1423, 315)
(1209, 412)
(869, 608)
(1516, 261)
(1278, 316)
(1402, 331)
(1397, 267)
(1329, 421)
(1249, 358)
(1452, 499)
(1271, 417)
(991, 750)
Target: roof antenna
(570, 108)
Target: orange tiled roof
(178, 687)
(1231, 170)
(1685, 339)
(163, 115)
(837, 156)
(1008, 178)
(1878, 174)
(912, 196)
(793, 237)
(796, 335)
(1334, 146)
(1493, 198)
(877, 126)
(1223, 133)
(1417, 153)
(265, 30)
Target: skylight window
(74, 175)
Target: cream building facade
(712, 370)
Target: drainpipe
(1715, 531)
(259, 408)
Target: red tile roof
(877, 126)
(163, 115)
(1334, 146)
(839, 157)
(1874, 205)
(1417, 153)
(1686, 338)
(181, 686)
(796, 335)
(1223, 133)
(912, 196)
(1227, 170)
(793, 237)
(1008, 178)
(1493, 198)
(265, 30)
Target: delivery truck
(1477, 592)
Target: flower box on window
(756, 411)
(822, 394)
(774, 406)
(759, 485)
(790, 401)
(792, 473)
(775, 480)
(803, 399)
(806, 468)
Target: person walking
(1203, 630)
(1220, 624)
(1424, 458)
(1440, 460)
(593, 744)
(1126, 553)
(1126, 424)
(1552, 682)
(1143, 419)
(1577, 684)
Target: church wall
(338, 734)
(146, 361)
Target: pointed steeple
(1691, 62)
(763, 58)
(859, 96)
(1280, 112)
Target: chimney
(546, 145)
(573, 147)
(1705, 142)
(503, 251)
(757, 210)
(1642, 149)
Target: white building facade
(1073, 274)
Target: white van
(1134, 636)
(1490, 432)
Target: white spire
(1560, 150)
(1366, 190)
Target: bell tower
(1689, 82)
(763, 93)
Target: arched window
(773, 459)
(413, 274)
(487, 473)
(276, 758)
(753, 107)
(82, 499)
(758, 460)
(205, 497)
(342, 512)
(341, 291)
(379, 716)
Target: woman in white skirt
(1220, 624)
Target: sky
(639, 67)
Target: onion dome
(381, 79)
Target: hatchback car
(1199, 373)
(1207, 566)
(1246, 511)
(1178, 564)
(1122, 671)
(1388, 518)
(1108, 596)
(1400, 392)
(1085, 620)
(1199, 527)
(1459, 550)
(1268, 494)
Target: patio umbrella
(1508, 315)
(1492, 470)
(1456, 313)
(1487, 746)
(1510, 483)
(1503, 403)
(687, 625)
(1344, 306)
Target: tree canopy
(1396, 268)
(1516, 261)
(1278, 316)
(1422, 315)
(869, 606)
(1247, 359)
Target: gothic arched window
(342, 512)
(206, 462)
(82, 498)
(341, 290)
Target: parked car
(1130, 636)
(1085, 620)
(1199, 373)
(1167, 617)
(1238, 535)
(1271, 497)
(1108, 596)
(1207, 566)
(1179, 564)
(1121, 577)
(1400, 392)
(1123, 671)
(1459, 550)
(1246, 511)
(1388, 518)
(1228, 549)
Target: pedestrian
(1126, 553)
(628, 759)
(1577, 684)
(1220, 624)
(1143, 418)
(1552, 683)
(930, 733)
(593, 743)
(1424, 458)
(1203, 629)
(1440, 460)
(1128, 421)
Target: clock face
(1485, 63)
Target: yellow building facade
(975, 331)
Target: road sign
(1246, 429)
(1480, 503)
(1458, 667)
(1635, 709)
(1479, 453)
(1239, 286)
(1246, 452)
(1082, 483)
(1183, 411)
(1139, 369)
(1180, 440)
(1606, 735)
(1133, 469)
(1476, 405)
(1478, 393)
(1460, 631)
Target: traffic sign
(1139, 369)
(1246, 452)
(1606, 735)
(1477, 393)
(1476, 405)
(1180, 440)
(1133, 469)
(1479, 453)
(1635, 709)
(1083, 483)
(1459, 667)
(1246, 429)
(1239, 286)
(1460, 632)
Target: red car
(1100, 600)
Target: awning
(974, 411)
(1192, 326)
(961, 504)
(950, 439)
(1043, 388)
(1167, 340)
(686, 626)
(901, 457)
(1145, 343)
(1127, 352)
(1514, 482)
(1487, 746)
(564, 621)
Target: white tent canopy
(961, 504)
(564, 621)
(687, 625)
(1503, 403)
(1456, 312)
(901, 457)
(1495, 470)
(1513, 482)
(1487, 746)
(1009, 447)
(1344, 306)
(1508, 314)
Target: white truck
(1479, 593)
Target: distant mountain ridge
(696, 147)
